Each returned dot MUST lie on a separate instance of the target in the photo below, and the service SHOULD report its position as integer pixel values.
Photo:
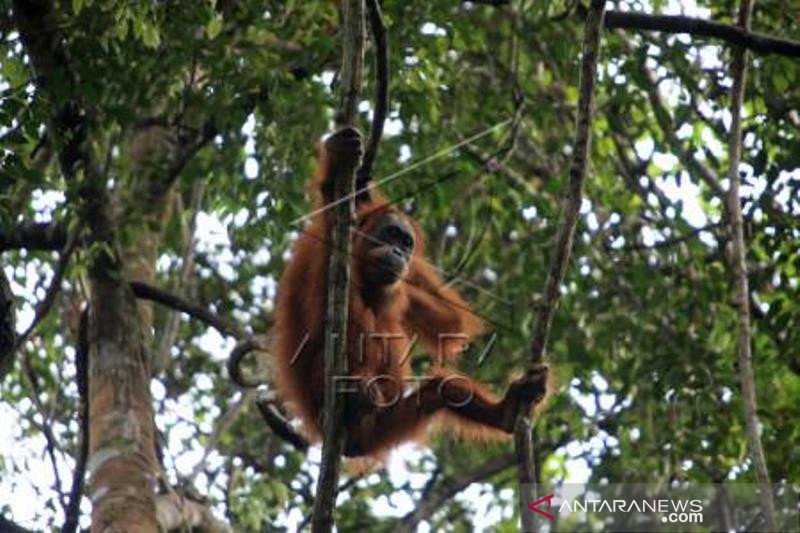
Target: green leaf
(150, 35)
(214, 26)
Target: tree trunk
(121, 454)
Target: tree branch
(51, 441)
(738, 263)
(120, 395)
(338, 277)
(364, 173)
(762, 44)
(8, 326)
(577, 175)
(266, 406)
(450, 487)
(666, 243)
(45, 304)
(34, 236)
(148, 292)
(274, 419)
(563, 244)
(222, 424)
(72, 512)
(170, 330)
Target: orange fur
(419, 307)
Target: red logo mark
(548, 499)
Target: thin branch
(148, 292)
(245, 346)
(448, 488)
(34, 236)
(170, 330)
(51, 441)
(563, 244)
(222, 425)
(338, 277)
(72, 512)
(45, 304)
(8, 326)
(364, 173)
(666, 243)
(759, 43)
(665, 123)
(577, 175)
(738, 261)
(280, 425)
(493, 165)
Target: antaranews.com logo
(622, 507)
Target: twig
(72, 512)
(45, 304)
(665, 123)
(762, 44)
(448, 488)
(491, 164)
(738, 263)
(563, 245)
(148, 292)
(170, 330)
(222, 425)
(364, 173)
(280, 426)
(338, 282)
(666, 243)
(51, 442)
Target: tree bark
(178, 513)
(335, 351)
(121, 455)
(563, 246)
(737, 36)
(738, 261)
